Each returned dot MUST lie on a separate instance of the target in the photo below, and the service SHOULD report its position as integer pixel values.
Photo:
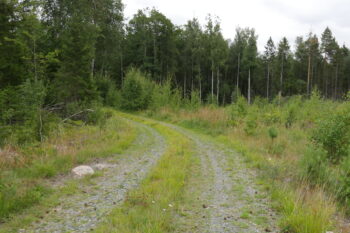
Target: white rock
(82, 170)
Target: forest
(77, 79)
(77, 53)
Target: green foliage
(291, 117)
(21, 113)
(11, 201)
(239, 109)
(23, 185)
(250, 126)
(272, 117)
(195, 101)
(344, 181)
(212, 100)
(236, 94)
(136, 91)
(272, 133)
(108, 91)
(333, 134)
(315, 167)
(161, 95)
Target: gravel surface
(82, 211)
(226, 197)
(223, 195)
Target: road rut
(83, 211)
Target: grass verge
(27, 182)
(152, 206)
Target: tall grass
(24, 170)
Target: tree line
(61, 56)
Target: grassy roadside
(25, 185)
(152, 206)
(302, 208)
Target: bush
(272, 133)
(239, 109)
(291, 117)
(161, 95)
(344, 181)
(136, 91)
(314, 166)
(333, 135)
(212, 100)
(250, 126)
(109, 93)
(195, 102)
(21, 112)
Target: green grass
(276, 161)
(152, 206)
(26, 185)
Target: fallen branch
(75, 114)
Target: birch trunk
(249, 86)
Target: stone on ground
(82, 170)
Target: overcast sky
(275, 18)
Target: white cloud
(275, 18)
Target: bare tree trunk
(336, 82)
(121, 68)
(200, 89)
(212, 79)
(185, 80)
(281, 78)
(308, 76)
(92, 67)
(41, 125)
(218, 86)
(200, 84)
(268, 81)
(34, 58)
(154, 54)
(249, 86)
(192, 75)
(237, 83)
(326, 87)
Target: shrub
(333, 135)
(239, 109)
(250, 126)
(212, 99)
(108, 91)
(161, 95)
(236, 94)
(21, 112)
(272, 133)
(314, 166)
(195, 102)
(136, 91)
(344, 181)
(291, 117)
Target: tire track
(81, 212)
(229, 199)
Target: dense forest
(60, 58)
